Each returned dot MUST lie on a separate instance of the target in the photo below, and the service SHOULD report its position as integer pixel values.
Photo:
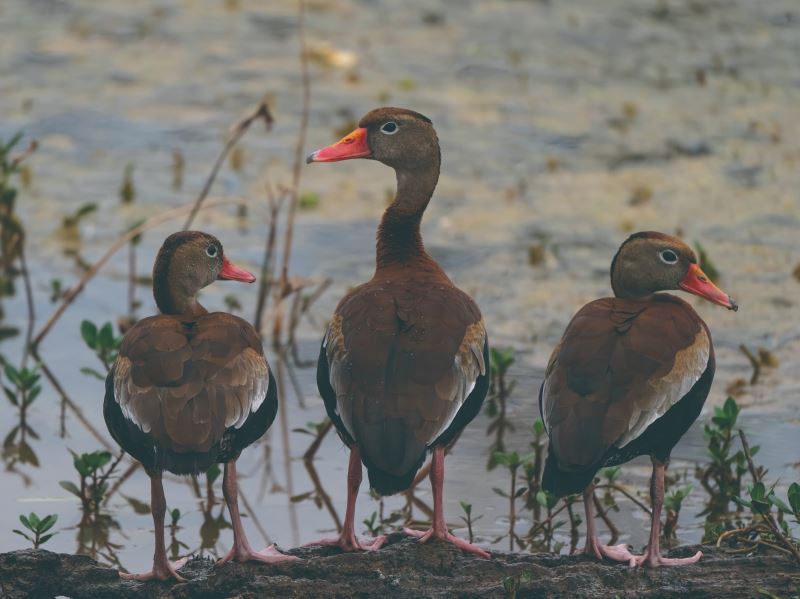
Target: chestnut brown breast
(620, 366)
(183, 382)
(403, 353)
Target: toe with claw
(162, 570)
(656, 560)
(270, 555)
(350, 542)
(448, 537)
(617, 553)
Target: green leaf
(779, 503)
(25, 522)
(70, 487)
(89, 333)
(22, 534)
(794, 497)
(105, 338)
(140, 507)
(11, 143)
(45, 538)
(12, 397)
(27, 455)
(213, 473)
(48, 522)
(500, 492)
(12, 374)
(92, 372)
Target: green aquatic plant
(103, 342)
(232, 303)
(21, 388)
(94, 469)
(766, 528)
(534, 468)
(512, 584)
(308, 200)
(127, 190)
(468, 519)
(672, 506)
(70, 222)
(706, 264)
(175, 545)
(513, 462)
(37, 527)
(500, 360)
(373, 524)
(12, 233)
(722, 477)
(178, 166)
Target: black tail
(385, 483)
(562, 482)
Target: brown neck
(399, 238)
(171, 297)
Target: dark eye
(389, 128)
(668, 257)
(211, 251)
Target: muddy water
(563, 125)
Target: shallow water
(552, 117)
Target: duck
(628, 378)
(190, 388)
(404, 364)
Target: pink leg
(439, 528)
(162, 568)
(347, 540)
(241, 550)
(652, 556)
(618, 553)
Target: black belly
(142, 447)
(657, 440)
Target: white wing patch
(250, 387)
(690, 364)
(467, 367)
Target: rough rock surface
(405, 569)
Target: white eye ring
(211, 251)
(668, 257)
(389, 128)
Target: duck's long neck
(399, 238)
(172, 297)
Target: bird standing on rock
(628, 378)
(191, 388)
(404, 365)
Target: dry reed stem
(261, 112)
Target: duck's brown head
(648, 262)
(399, 138)
(187, 262)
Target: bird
(404, 364)
(190, 388)
(628, 378)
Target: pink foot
(424, 537)
(350, 542)
(617, 553)
(163, 570)
(654, 561)
(270, 555)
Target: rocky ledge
(404, 568)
